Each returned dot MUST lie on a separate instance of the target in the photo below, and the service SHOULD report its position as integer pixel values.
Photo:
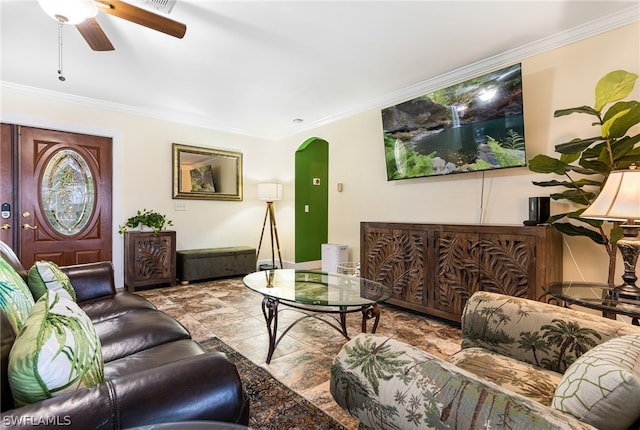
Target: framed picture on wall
(206, 173)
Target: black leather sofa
(154, 372)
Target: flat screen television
(471, 126)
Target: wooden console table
(149, 258)
(435, 268)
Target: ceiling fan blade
(143, 17)
(93, 34)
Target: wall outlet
(181, 206)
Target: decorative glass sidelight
(67, 192)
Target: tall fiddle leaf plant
(585, 163)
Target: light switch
(306, 208)
(180, 206)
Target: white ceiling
(252, 67)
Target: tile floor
(302, 360)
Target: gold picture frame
(206, 173)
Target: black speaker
(538, 210)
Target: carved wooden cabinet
(435, 268)
(150, 258)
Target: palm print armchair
(523, 365)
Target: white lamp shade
(69, 11)
(619, 199)
(270, 192)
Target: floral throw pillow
(45, 275)
(602, 387)
(57, 351)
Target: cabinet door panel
(457, 274)
(396, 258)
(506, 264)
(472, 262)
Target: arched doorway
(311, 199)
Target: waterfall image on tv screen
(474, 125)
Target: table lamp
(619, 200)
(270, 193)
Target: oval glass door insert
(67, 192)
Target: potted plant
(585, 163)
(152, 220)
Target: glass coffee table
(315, 295)
(595, 296)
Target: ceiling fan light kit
(69, 11)
(82, 14)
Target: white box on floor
(332, 254)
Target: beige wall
(143, 169)
(562, 78)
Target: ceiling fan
(82, 13)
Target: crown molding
(602, 25)
(164, 115)
(584, 31)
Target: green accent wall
(312, 227)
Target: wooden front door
(7, 227)
(63, 201)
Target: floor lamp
(270, 193)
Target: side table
(149, 258)
(594, 296)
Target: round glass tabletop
(317, 288)
(595, 296)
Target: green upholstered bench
(210, 263)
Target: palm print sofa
(523, 365)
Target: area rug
(273, 406)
